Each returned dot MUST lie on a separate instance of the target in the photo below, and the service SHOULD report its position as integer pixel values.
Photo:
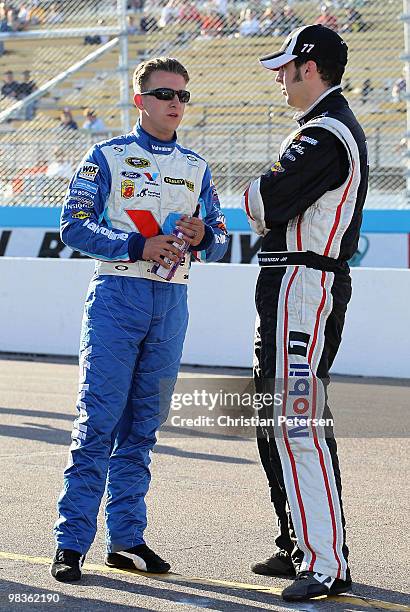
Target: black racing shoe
(138, 557)
(279, 564)
(67, 564)
(341, 586)
(312, 584)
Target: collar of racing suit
(303, 116)
(152, 144)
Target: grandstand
(237, 117)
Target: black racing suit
(309, 203)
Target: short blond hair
(144, 70)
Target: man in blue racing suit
(124, 201)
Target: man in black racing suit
(308, 208)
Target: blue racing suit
(124, 191)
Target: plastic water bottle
(168, 273)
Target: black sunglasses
(166, 93)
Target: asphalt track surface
(209, 512)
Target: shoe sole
(337, 591)
(131, 566)
(273, 574)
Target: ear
(310, 69)
(138, 101)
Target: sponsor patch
(131, 175)
(137, 162)
(298, 148)
(142, 193)
(309, 140)
(81, 214)
(180, 181)
(162, 149)
(89, 172)
(289, 155)
(215, 198)
(192, 160)
(277, 167)
(153, 194)
(79, 202)
(105, 231)
(174, 181)
(151, 177)
(76, 193)
(127, 189)
(80, 183)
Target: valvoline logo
(151, 177)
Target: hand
(160, 247)
(192, 228)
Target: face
(292, 84)
(161, 118)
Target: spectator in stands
(135, 5)
(31, 179)
(4, 27)
(288, 21)
(13, 22)
(25, 88)
(54, 14)
(169, 14)
(37, 13)
(10, 87)
(249, 24)
(98, 39)
(60, 167)
(354, 21)
(132, 27)
(213, 24)
(220, 6)
(148, 23)
(399, 89)
(67, 121)
(92, 122)
(270, 23)
(23, 16)
(7, 22)
(327, 18)
(367, 88)
(188, 13)
(230, 23)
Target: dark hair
(144, 70)
(329, 71)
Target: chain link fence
(57, 61)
